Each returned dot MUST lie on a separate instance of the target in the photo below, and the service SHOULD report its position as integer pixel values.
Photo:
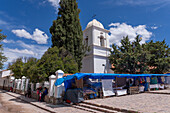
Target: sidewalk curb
(112, 108)
(159, 93)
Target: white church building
(96, 60)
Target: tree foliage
(66, 30)
(27, 67)
(129, 57)
(55, 59)
(17, 67)
(132, 57)
(159, 53)
(27, 71)
(2, 57)
(40, 70)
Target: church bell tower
(96, 37)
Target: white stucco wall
(4, 82)
(1, 81)
(98, 50)
(87, 64)
(88, 33)
(98, 64)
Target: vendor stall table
(161, 86)
(133, 90)
(154, 86)
(141, 88)
(121, 92)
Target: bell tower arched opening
(102, 41)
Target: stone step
(117, 110)
(83, 108)
(101, 109)
(88, 109)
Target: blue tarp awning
(102, 76)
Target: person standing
(45, 92)
(28, 93)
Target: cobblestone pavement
(144, 102)
(9, 104)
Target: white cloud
(8, 41)
(155, 4)
(54, 3)
(154, 27)
(114, 24)
(13, 54)
(22, 33)
(118, 31)
(5, 25)
(26, 50)
(39, 36)
(38, 50)
(2, 22)
(136, 2)
(7, 22)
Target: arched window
(101, 41)
(86, 41)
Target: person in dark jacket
(28, 93)
(45, 92)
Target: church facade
(96, 60)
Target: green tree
(29, 62)
(159, 53)
(36, 74)
(49, 63)
(132, 57)
(70, 65)
(129, 57)
(53, 60)
(25, 66)
(2, 57)
(66, 30)
(17, 67)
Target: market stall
(98, 85)
(157, 82)
(120, 86)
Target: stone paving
(9, 104)
(161, 91)
(144, 102)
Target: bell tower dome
(96, 23)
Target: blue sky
(26, 22)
